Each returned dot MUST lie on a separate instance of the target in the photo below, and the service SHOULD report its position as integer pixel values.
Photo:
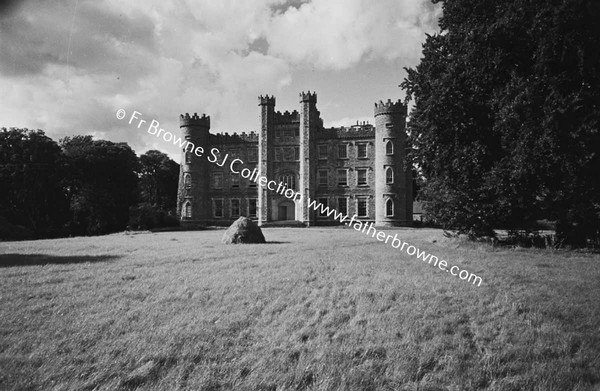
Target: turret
(309, 121)
(265, 154)
(393, 184)
(193, 203)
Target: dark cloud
(7, 7)
(83, 35)
(288, 4)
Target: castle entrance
(286, 211)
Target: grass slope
(316, 309)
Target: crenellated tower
(393, 180)
(309, 121)
(193, 201)
(265, 154)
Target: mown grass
(315, 309)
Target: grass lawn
(315, 309)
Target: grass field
(314, 309)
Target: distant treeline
(81, 186)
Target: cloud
(68, 65)
(81, 35)
(336, 34)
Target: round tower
(393, 181)
(193, 201)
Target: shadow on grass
(276, 242)
(9, 260)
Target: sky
(67, 66)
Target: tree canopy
(80, 186)
(505, 125)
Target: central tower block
(393, 178)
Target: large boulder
(243, 230)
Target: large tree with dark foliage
(159, 179)
(505, 125)
(101, 184)
(31, 196)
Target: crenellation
(287, 117)
(390, 107)
(266, 100)
(308, 97)
(226, 138)
(194, 120)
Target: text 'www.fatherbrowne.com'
(236, 166)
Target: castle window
(342, 177)
(361, 207)
(322, 178)
(288, 154)
(389, 207)
(235, 208)
(188, 157)
(278, 154)
(187, 210)
(235, 180)
(252, 207)
(343, 151)
(389, 147)
(289, 180)
(389, 175)
(323, 151)
(187, 181)
(323, 202)
(343, 205)
(296, 153)
(361, 177)
(361, 151)
(218, 208)
(252, 155)
(217, 180)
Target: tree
(159, 177)
(506, 116)
(101, 184)
(31, 170)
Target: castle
(357, 170)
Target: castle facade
(356, 170)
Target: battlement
(226, 138)
(308, 97)
(287, 117)
(354, 132)
(194, 120)
(266, 100)
(390, 107)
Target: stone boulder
(243, 230)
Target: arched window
(188, 157)
(187, 181)
(389, 147)
(389, 175)
(187, 210)
(289, 180)
(389, 207)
